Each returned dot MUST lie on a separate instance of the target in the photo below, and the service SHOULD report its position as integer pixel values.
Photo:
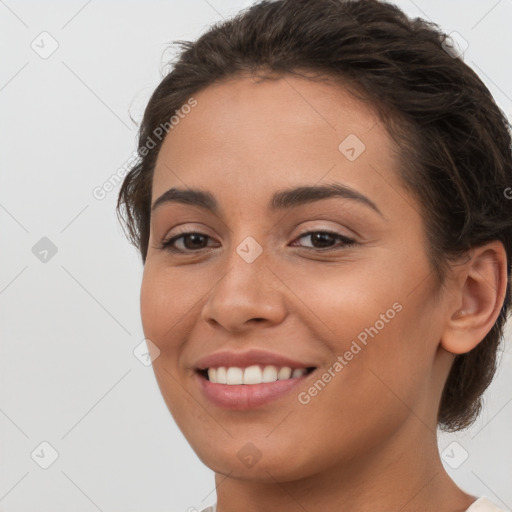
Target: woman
(321, 208)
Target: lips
(251, 379)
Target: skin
(367, 441)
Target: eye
(322, 240)
(189, 242)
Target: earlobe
(480, 293)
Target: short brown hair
(454, 141)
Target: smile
(246, 380)
(251, 375)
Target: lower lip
(248, 396)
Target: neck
(405, 477)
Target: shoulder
(483, 504)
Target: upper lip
(248, 358)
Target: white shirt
(483, 504)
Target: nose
(247, 294)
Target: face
(333, 283)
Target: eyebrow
(284, 199)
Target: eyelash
(168, 244)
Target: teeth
(234, 375)
(269, 374)
(221, 375)
(252, 374)
(284, 373)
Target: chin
(246, 460)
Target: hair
(454, 142)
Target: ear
(479, 291)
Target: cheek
(167, 299)
(164, 304)
(345, 299)
(154, 300)
(373, 316)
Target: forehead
(273, 132)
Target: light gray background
(68, 375)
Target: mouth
(252, 375)
(253, 387)
(253, 379)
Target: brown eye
(185, 242)
(191, 242)
(325, 240)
